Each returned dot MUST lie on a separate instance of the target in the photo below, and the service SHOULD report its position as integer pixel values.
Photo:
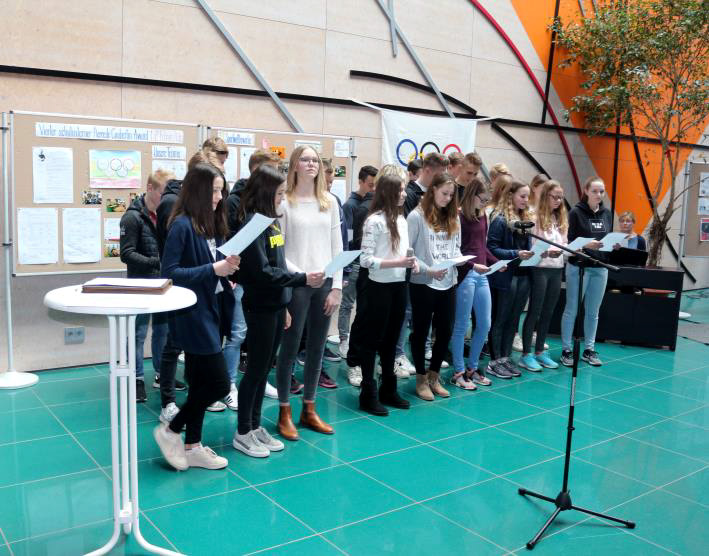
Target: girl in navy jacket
(267, 287)
(197, 227)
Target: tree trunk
(656, 241)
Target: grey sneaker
(511, 367)
(497, 368)
(591, 357)
(250, 445)
(567, 358)
(267, 440)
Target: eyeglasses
(483, 199)
(306, 159)
(223, 153)
(557, 197)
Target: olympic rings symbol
(420, 153)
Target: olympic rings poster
(408, 136)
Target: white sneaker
(517, 343)
(232, 398)
(334, 339)
(168, 413)
(204, 456)
(534, 340)
(444, 364)
(354, 376)
(400, 371)
(250, 445)
(171, 446)
(405, 364)
(271, 391)
(428, 355)
(344, 348)
(216, 407)
(267, 440)
(181, 357)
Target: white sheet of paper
(609, 240)
(231, 163)
(703, 206)
(339, 189)
(81, 235)
(342, 148)
(128, 282)
(37, 235)
(52, 175)
(341, 261)
(449, 263)
(244, 155)
(497, 266)
(538, 248)
(112, 229)
(177, 167)
(246, 235)
(579, 242)
(704, 184)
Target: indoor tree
(643, 63)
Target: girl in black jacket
(267, 291)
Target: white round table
(121, 310)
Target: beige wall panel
(42, 94)
(445, 25)
(450, 73)
(349, 120)
(369, 151)
(362, 18)
(310, 13)
(57, 34)
(348, 52)
(309, 115)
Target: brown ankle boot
(423, 390)
(286, 428)
(310, 419)
(436, 386)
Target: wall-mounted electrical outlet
(74, 335)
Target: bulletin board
(73, 177)
(696, 210)
(242, 142)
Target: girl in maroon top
(473, 289)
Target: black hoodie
(263, 273)
(233, 203)
(139, 242)
(583, 222)
(167, 201)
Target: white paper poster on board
(342, 148)
(244, 155)
(230, 164)
(52, 175)
(339, 189)
(112, 229)
(170, 152)
(81, 235)
(37, 236)
(703, 206)
(114, 169)
(315, 145)
(177, 167)
(704, 184)
(237, 138)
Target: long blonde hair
(506, 208)
(498, 187)
(320, 188)
(546, 216)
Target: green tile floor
(441, 478)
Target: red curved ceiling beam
(536, 84)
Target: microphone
(409, 253)
(523, 225)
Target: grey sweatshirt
(430, 248)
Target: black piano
(641, 306)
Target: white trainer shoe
(405, 364)
(517, 343)
(344, 348)
(444, 364)
(334, 339)
(273, 444)
(171, 446)
(167, 413)
(181, 357)
(216, 407)
(250, 445)
(428, 355)
(354, 376)
(232, 398)
(271, 391)
(205, 457)
(400, 371)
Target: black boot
(391, 397)
(368, 401)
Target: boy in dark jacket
(140, 252)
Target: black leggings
(265, 331)
(431, 306)
(510, 304)
(544, 293)
(380, 314)
(208, 382)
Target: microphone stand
(563, 499)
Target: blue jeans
(156, 344)
(473, 293)
(594, 287)
(232, 347)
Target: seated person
(626, 221)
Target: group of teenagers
(407, 223)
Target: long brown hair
(505, 207)
(440, 219)
(474, 189)
(386, 201)
(586, 186)
(546, 217)
(537, 181)
(320, 187)
(195, 201)
(498, 186)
